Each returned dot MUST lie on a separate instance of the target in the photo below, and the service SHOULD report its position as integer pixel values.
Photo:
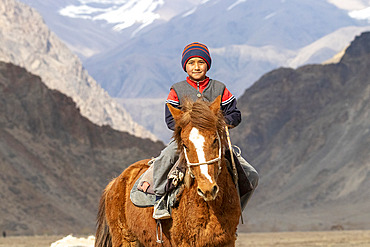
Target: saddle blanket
(139, 197)
(142, 193)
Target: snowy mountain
(270, 32)
(132, 48)
(26, 41)
(99, 25)
(90, 27)
(119, 36)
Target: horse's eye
(215, 141)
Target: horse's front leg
(121, 239)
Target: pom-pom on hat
(195, 49)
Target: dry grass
(278, 239)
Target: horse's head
(199, 134)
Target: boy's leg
(162, 165)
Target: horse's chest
(202, 226)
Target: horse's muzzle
(208, 195)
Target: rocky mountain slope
(307, 131)
(54, 162)
(26, 41)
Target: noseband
(218, 159)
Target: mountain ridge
(55, 162)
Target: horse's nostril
(200, 192)
(214, 190)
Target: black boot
(247, 177)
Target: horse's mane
(200, 116)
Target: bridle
(217, 159)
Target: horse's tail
(102, 236)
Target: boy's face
(196, 68)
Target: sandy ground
(306, 239)
(286, 239)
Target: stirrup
(160, 236)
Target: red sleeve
(226, 96)
(172, 98)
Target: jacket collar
(201, 85)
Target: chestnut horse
(208, 210)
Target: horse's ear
(176, 113)
(215, 106)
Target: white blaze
(198, 140)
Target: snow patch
(270, 16)
(235, 4)
(189, 12)
(350, 5)
(363, 14)
(71, 241)
(123, 13)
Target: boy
(196, 61)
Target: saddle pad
(140, 198)
(146, 181)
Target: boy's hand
(230, 126)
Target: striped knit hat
(195, 49)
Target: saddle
(142, 193)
